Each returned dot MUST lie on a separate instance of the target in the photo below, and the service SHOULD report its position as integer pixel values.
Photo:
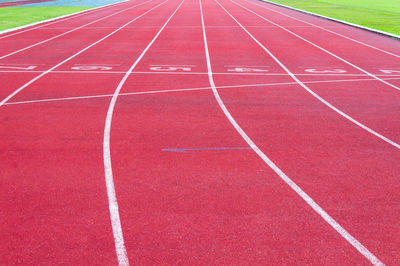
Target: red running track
(273, 140)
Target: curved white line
(112, 199)
(322, 28)
(62, 34)
(69, 58)
(346, 235)
(319, 47)
(312, 92)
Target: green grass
(11, 17)
(383, 15)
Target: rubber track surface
(189, 188)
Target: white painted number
(246, 69)
(170, 68)
(91, 68)
(390, 71)
(19, 68)
(334, 71)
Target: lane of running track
(56, 209)
(348, 170)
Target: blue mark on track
(206, 149)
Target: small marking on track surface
(91, 68)
(206, 149)
(327, 71)
(171, 68)
(246, 69)
(18, 67)
(390, 71)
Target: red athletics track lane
(349, 172)
(357, 99)
(386, 43)
(55, 208)
(204, 206)
(11, 42)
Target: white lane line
(322, 28)
(76, 54)
(54, 20)
(354, 242)
(75, 29)
(112, 199)
(312, 92)
(183, 90)
(319, 47)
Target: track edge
(60, 17)
(387, 34)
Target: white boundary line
(320, 27)
(76, 54)
(337, 20)
(317, 46)
(75, 29)
(335, 225)
(60, 19)
(396, 145)
(183, 90)
(112, 199)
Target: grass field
(378, 14)
(11, 17)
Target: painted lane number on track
(387, 71)
(246, 69)
(18, 67)
(89, 68)
(171, 68)
(320, 71)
